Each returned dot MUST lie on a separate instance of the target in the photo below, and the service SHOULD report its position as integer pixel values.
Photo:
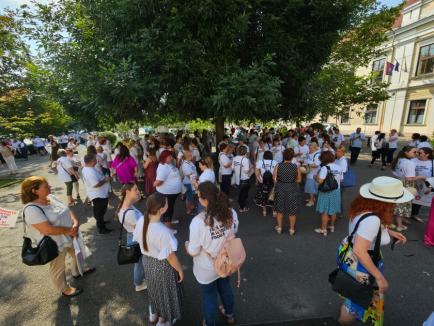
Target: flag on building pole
(397, 66)
(389, 68)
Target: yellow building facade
(410, 107)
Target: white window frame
(424, 112)
(383, 73)
(423, 44)
(376, 115)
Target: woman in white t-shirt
(329, 202)
(189, 172)
(206, 167)
(404, 168)
(242, 172)
(277, 150)
(301, 150)
(260, 150)
(225, 162)
(370, 214)
(393, 145)
(66, 174)
(163, 271)
(263, 189)
(424, 166)
(312, 161)
(45, 215)
(128, 216)
(208, 232)
(168, 183)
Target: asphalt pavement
(284, 279)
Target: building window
(416, 112)
(371, 114)
(345, 116)
(378, 70)
(426, 60)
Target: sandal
(278, 229)
(321, 231)
(88, 271)
(291, 232)
(331, 228)
(76, 292)
(229, 318)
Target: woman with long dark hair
(125, 166)
(130, 215)
(208, 232)
(150, 166)
(163, 271)
(424, 166)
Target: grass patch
(8, 182)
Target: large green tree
(227, 59)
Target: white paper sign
(8, 218)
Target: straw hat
(386, 189)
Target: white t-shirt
(405, 168)
(205, 240)
(423, 168)
(260, 153)
(393, 141)
(196, 154)
(292, 143)
(373, 143)
(101, 159)
(207, 175)
(303, 150)
(63, 165)
(131, 217)
(241, 167)
(424, 144)
(188, 169)
(56, 213)
(91, 178)
(171, 179)
(368, 229)
(266, 165)
(338, 139)
(357, 139)
(159, 238)
(313, 158)
(278, 153)
(336, 170)
(38, 142)
(64, 139)
(225, 159)
(343, 165)
(107, 149)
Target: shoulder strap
(364, 216)
(122, 225)
(432, 168)
(24, 215)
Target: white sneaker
(401, 228)
(141, 287)
(153, 318)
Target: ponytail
(154, 203)
(126, 187)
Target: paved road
(283, 279)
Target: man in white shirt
(97, 188)
(356, 138)
(39, 145)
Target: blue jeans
(209, 299)
(189, 195)
(138, 273)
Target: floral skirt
(350, 264)
(404, 209)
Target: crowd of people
(301, 167)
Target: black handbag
(43, 253)
(329, 182)
(346, 285)
(127, 254)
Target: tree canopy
(237, 59)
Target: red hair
(382, 209)
(164, 155)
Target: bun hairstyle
(126, 187)
(219, 207)
(154, 203)
(28, 185)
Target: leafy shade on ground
(8, 182)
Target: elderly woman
(312, 162)
(370, 214)
(125, 166)
(189, 172)
(67, 174)
(266, 164)
(46, 215)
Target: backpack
(329, 182)
(267, 177)
(230, 257)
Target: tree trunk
(220, 129)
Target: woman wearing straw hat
(374, 209)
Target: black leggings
(225, 186)
(171, 199)
(243, 194)
(99, 209)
